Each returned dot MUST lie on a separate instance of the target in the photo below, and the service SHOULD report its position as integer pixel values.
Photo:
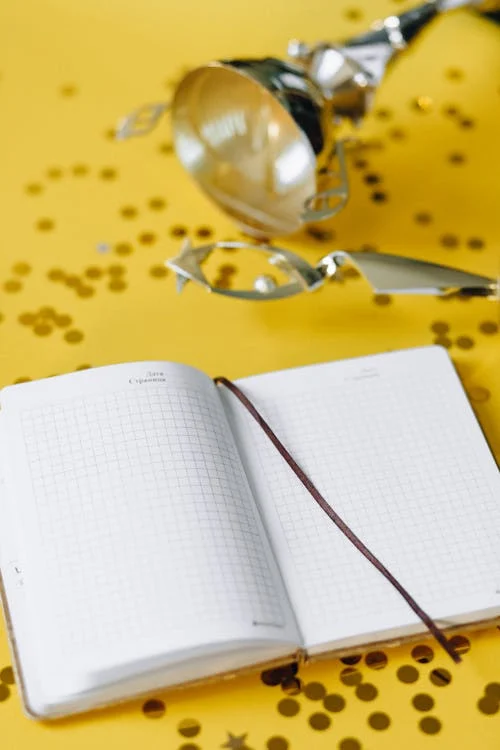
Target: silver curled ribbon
(386, 273)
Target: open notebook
(151, 535)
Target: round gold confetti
(42, 329)
(382, 113)
(80, 170)
(12, 286)
(353, 14)
(62, 321)
(456, 158)
(123, 248)
(492, 690)
(351, 676)
(366, 691)
(27, 319)
(7, 675)
(21, 269)
(322, 235)
(46, 312)
(73, 336)
(443, 341)
(72, 281)
(158, 272)
(85, 291)
(360, 163)
(350, 661)
(350, 273)
(440, 677)
(153, 708)
(464, 342)
(178, 231)
(467, 123)
(110, 134)
(382, 299)
(222, 282)
(93, 272)
(430, 725)
(315, 691)
(378, 196)
(108, 173)
(116, 270)
(422, 654)
(407, 674)
(460, 643)
(454, 74)
(56, 274)
(397, 134)
(379, 720)
(166, 148)
(227, 269)
(68, 90)
(44, 225)
(451, 110)
(423, 702)
(128, 212)
(319, 721)
(277, 743)
(423, 217)
(334, 702)
(117, 285)
(204, 232)
(54, 173)
(147, 238)
(189, 727)
(291, 686)
(488, 705)
(156, 204)
(272, 677)
(440, 327)
(488, 327)
(288, 707)
(34, 188)
(449, 240)
(478, 393)
(475, 243)
(349, 743)
(4, 692)
(372, 179)
(376, 660)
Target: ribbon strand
(344, 528)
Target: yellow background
(67, 72)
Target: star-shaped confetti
(236, 742)
(187, 265)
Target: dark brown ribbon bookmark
(344, 528)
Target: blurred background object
(263, 138)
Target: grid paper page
(141, 522)
(392, 444)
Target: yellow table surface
(74, 200)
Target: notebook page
(392, 443)
(139, 532)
